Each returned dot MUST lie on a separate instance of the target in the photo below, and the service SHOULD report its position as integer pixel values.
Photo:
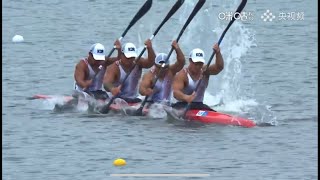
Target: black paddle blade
(193, 13)
(191, 16)
(30, 98)
(240, 8)
(106, 108)
(143, 10)
(175, 7)
(138, 112)
(236, 15)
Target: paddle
(193, 13)
(236, 14)
(176, 6)
(142, 11)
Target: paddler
(90, 70)
(88, 76)
(115, 74)
(185, 82)
(162, 89)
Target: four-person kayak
(202, 116)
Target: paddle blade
(193, 13)
(240, 8)
(143, 10)
(106, 108)
(138, 112)
(183, 116)
(236, 15)
(174, 9)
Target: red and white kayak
(202, 116)
(212, 117)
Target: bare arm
(178, 85)
(145, 84)
(178, 65)
(80, 74)
(219, 65)
(147, 63)
(110, 77)
(111, 60)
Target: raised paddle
(142, 11)
(193, 13)
(236, 14)
(105, 109)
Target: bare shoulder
(144, 63)
(181, 75)
(81, 65)
(172, 73)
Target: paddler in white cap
(162, 90)
(185, 82)
(90, 70)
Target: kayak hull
(127, 108)
(202, 116)
(212, 117)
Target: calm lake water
(270, 75)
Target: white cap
(161, 58)
(129, 50)
(197, 55)
(98, 51)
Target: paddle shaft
(191, 16)
(175, 7)
(237, 13)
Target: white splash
(224, 91)
(156, 111)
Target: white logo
(267, 16)
(202, 113)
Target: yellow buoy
(119, 162)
